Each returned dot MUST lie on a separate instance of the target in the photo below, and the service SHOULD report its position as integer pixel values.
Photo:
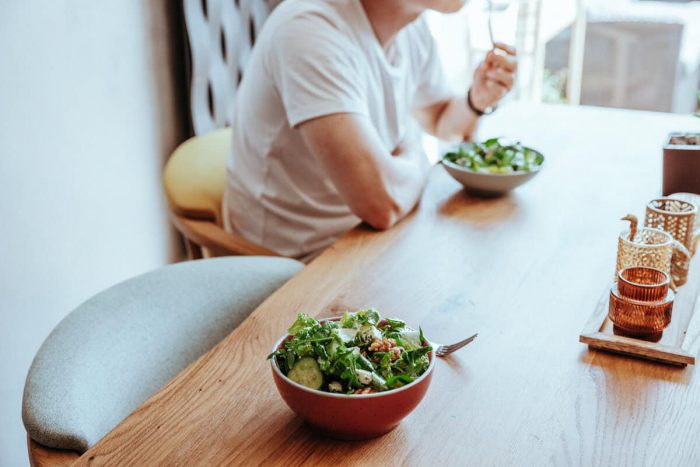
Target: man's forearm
(409, 176)
(456, 121)
(378, 186)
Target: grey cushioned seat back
(115, 350)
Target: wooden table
(525, 271)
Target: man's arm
(380, 187)
(449, 120)
(452, 119)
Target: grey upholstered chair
(116, 349)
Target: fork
(490, 18)
(445, 350)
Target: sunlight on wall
(86, 120)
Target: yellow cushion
(195, 176)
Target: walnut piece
(382, 345)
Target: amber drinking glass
(641, 302)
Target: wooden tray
(680, 341)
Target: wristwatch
(479, 113)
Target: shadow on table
(465, 207)
(456, 364)
(633, 370)
(303, 444)
(625, 390)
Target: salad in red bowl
(358, 354)
(353, 377)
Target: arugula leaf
(360, 318)
(368, 316)
(384, 364)
(399, 380)
(290, 361)
(302, 322)
(347, 321)
(413, 362)
(378, 382)
(345, 367)
(393, 325)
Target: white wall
(89, 109)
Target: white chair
(220, 37)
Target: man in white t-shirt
(324, 130)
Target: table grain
(524, 271)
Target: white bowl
(488, 184)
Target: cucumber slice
(307, 373)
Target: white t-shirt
(316, 58)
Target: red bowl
(356, 416)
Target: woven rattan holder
(641, 303)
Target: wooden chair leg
(206, 252)
(194, 251)
(41, 456)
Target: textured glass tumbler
(641, 302)
(650, 248)
(676, 217)
(692, 198)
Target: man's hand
(494, 77)
(452, 119)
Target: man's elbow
(382, 217)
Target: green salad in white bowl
(492, 167)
